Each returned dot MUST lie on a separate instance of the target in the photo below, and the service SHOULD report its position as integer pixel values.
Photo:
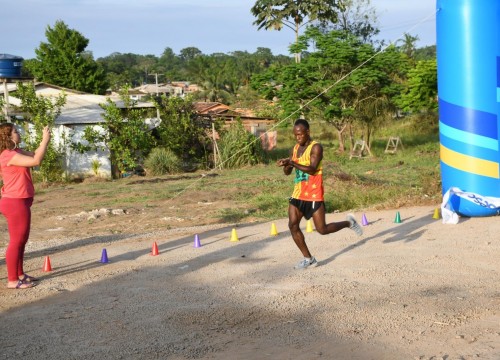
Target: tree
(239, 148)
(63, 61)
(125, 134)
(182, 131)
(42, 111)
(189, 53)
(421, 93)
(264, 57)
(170, 66)
(425, 53)
(130, 69)
(221, 74)
(342, 82)
(408, 46)
(211, 72)
(358, 18)
(293, 14)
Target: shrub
(239, 148)
(162, 161)
(425, 123)
(96, 165)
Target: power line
(220, 165)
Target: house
(179, 89)
(80, 111)
(173, 88)
(187, 87)
(135, 95)
(258, 126)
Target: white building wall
(79, 165)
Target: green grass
(407, 178)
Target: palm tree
(408, 47)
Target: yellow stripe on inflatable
(469, 164)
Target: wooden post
(6, 98)
(392, 144)
(359, 148)
(216, 148)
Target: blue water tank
(10, 66)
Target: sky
(149, 26)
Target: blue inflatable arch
(468, 59)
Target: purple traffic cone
(197, 243)
(364, 220)
(104, 256)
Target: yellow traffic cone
(274, 231)
(309, 226)
(234, 236)
(436, 214)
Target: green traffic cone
(397, 220)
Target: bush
(425, 123)
(239, 148)
(161, 161)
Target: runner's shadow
(374, 221)
(108, 240)
(400, 232)
(104, 239)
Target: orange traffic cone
(46, 265)
(154, 252)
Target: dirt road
(414, 290)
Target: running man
(307, 199)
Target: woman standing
(17, 197)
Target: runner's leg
(294, 217)
(322, 227)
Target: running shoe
(305, 263)
(354, 225)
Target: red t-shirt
(17, 182)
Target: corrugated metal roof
(81, 115)
(86, 109)
(152, 88)
(80, 108)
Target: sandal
(22, 285)
(29, 279)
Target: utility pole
(157, 93)
(156, 80)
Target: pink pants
(18, 215)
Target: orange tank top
(307, 187)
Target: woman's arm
(27, 153)
(25, 159)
